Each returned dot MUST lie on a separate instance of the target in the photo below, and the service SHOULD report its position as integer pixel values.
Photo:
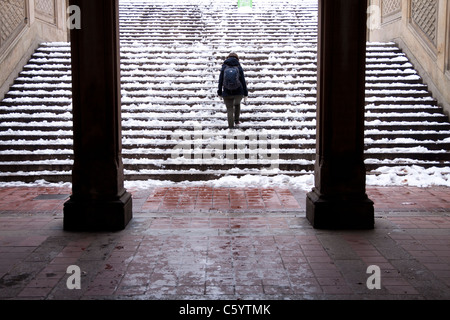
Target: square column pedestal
(325, 212)
(103, 215)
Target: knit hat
(233, 55)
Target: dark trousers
(233, 104)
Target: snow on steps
(174, 126)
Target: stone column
(339, 199)
(99, 201)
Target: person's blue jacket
(242, 91)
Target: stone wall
(23, 25)
(422, 29)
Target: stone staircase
(174, 125)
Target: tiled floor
(226, 243)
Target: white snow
(410, 176)
(386, 176)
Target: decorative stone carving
(424, 15)
(390, 7)
(448, 39)
(391, 10)
(45, 10)
(12, 19)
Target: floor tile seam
(218, 215)
(331, 261)
(144, 208)
(378, 212)
(205, 284)
(412, 257)
(220, 210)
(350, 277)
(34, 276)
(118, 286)
(418, 260)
(220, 205)
(238, 229)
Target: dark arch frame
(99, 201)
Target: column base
(339, 213)
(98, 216)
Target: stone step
(171, 175)
(191, 76)
(212, 164)
(33, 176)
(382, 118)
(257, 86)
(208, 89)
(245, 139)
(291, 150)
(163, 139)
(185, 31)
(372, 168)
(192, 101)
(31, 155)
(165, 175)
(176, 125)
(145, 170)
(294, 136)
(292, 81)
(48, 69)
(252, 62)
(373, 161)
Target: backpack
(231, 78)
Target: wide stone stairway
(174, 125)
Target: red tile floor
(208, 243)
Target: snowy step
(404, 109)
(372, 96)
(38, 101)
(401, 100)
(288, 149)
(192, 175)
(169, 139)
(191, 125)
(31, 176)
(294, 136)
(442, 157)
(418, 136)
(412, 117)
(44, 165)
(402, 126)
(302, 64)
(372, 165)
(429, 145)
(17, 168)
(39, 144)
(16, 156)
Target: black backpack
(231, 78)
